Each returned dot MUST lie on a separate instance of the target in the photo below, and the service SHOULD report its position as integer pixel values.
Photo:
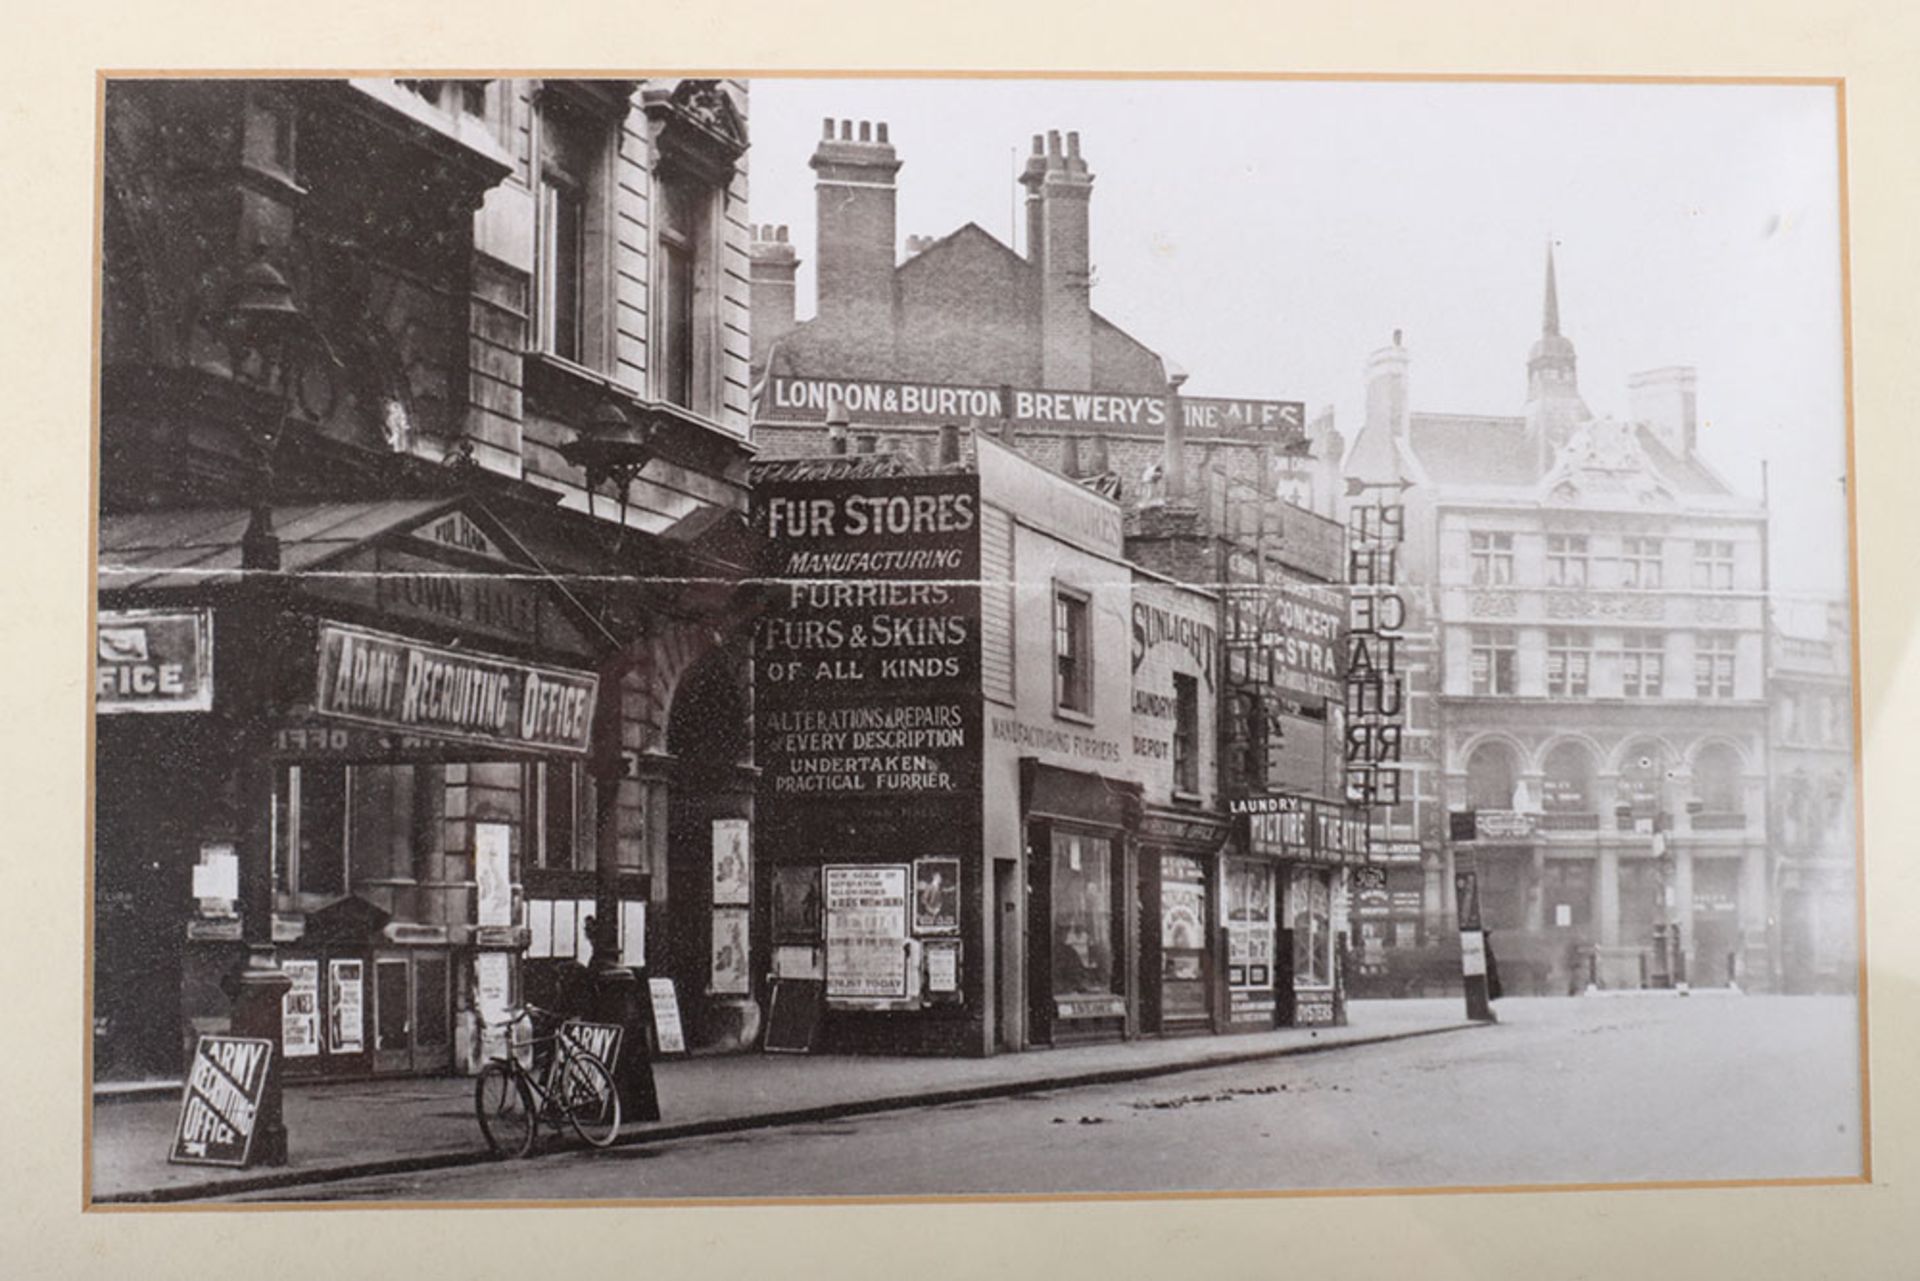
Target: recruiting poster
(668, 1035)
(796, 904)
(866, 932)
(493, 871)
(943, 967)
(346, 989)
(300, 1009)
(491, 974)
(732, 872)
(730, 976)
(222, 1100)
(936, 896)
(1183, 903)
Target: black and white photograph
(745, 638)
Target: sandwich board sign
(221, 1102)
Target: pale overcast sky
(1268, 235)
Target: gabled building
(1585, 667)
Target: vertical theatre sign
(1377, 615)
(871, 640)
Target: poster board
(866, 922)
(730, 973)
(732, 863)
(936, 896)
(221, 1101)
(668, 1033)
(793, 1016)
(346, 1008)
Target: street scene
(1512, 1104)
(1045, 644)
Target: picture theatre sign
(870, 645)
(809, 400)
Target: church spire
(1550, 316)
(1554, 407)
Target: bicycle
(568, 1085)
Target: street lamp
(262, 321)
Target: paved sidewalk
(392, 1126)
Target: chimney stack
(1663, 399)
(836, 426)
(1059, 190)
(854, 256)
(949, 444)
(771, 264)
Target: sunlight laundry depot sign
(153, 661)
(400, 684)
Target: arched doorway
(706, 944)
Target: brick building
(1090, 458)
(437, 377)
(1585, 664)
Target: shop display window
(1310, 908)
(1082, 915)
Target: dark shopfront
(1299, 852)
(427, 734)
(1180, 958)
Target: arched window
(1643, 780)
(1491, 774)
(1716, 779)
(1567, 786)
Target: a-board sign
(667, 1032)
(222, 1100)
(793, 1016)
(601, 1040)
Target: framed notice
(150, 660)
(493, 872)
(221, 1101)
(936, 896)
(866, 926)
(729, 975)
(346, 1006)
(943, 967)
(732, 870)
(300, 1010)
(796, 904)
(668, 1035)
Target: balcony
(1720, 821)
(1569, 822)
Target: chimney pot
(783, 233)
(846, 131)
(949, 444)
(826, 129)
(1053, 142)
(882, 128)
(866, 131)
(1039, 147)
(1073, 143)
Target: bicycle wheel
(505, 1110)
(590, 1099)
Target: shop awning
(200, 547)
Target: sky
(1266, 236)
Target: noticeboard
(221, 1102)
(866, 933)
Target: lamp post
(613, 450)
(262, 320)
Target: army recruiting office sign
(222, 1101)
(400, 684)
(149, 660)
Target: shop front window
(1310, 909)
(1082, 915)
(1249, 924)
